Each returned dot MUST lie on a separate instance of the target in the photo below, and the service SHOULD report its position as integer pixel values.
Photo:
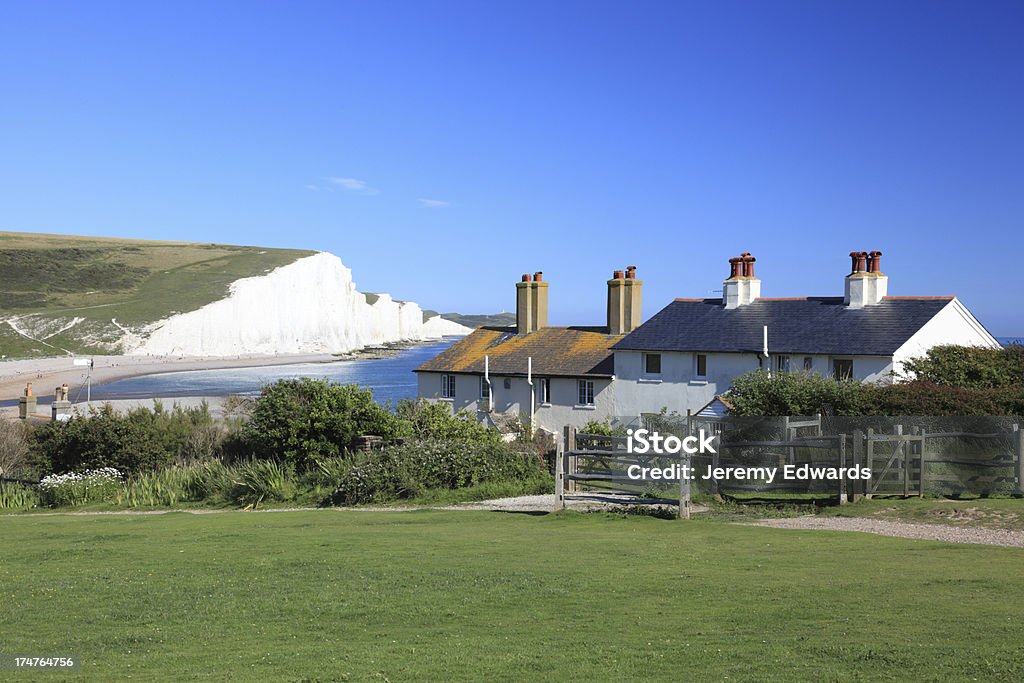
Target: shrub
(969, 367)
(140, 440)
(436, 421)
(401, 471)
(79, 488)
(302, 421)
(784, 393)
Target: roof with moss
(556, 352)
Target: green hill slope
(62, 293)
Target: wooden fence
(907, 462)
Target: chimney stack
(624, 301)
(742, 287)
(531, 303)
(866, 285)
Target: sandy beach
(48, 373)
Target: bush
(79, 488)
(969, 367)
(302, 421)
(140, 440)
(757, 393)
(435, 421)
(402, 471)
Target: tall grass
(14, 496)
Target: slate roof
(819, 325)
(556, 352)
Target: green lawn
(429, 595)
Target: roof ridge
(941, 296)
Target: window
(447, 386)
(652, 363)
(586, 392)
(842, 368)
(545, 390)
(808, 363)
(700, 369)
(782, 363)
(485, 388)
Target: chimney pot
(748, 264)
(526, 278)
(875, 262)
(617, 275)
(734, 267)
(538, 276)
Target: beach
(46, 374)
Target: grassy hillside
(51, 282)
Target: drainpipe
(491, 389)
(767, 358)
(529, 380)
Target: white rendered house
(689, 352)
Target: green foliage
(926, 398)
(80, 488)
(600, 428)
(429, 420)
(970, 367)
(757, 393)
(302, 421)
(140, 440)
(403, 471)
(263, 481)
(15, 496)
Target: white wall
(954, 324)
(563, 409)
(678, 388)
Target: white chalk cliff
(309, 306)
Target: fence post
(858, 447)
(559, 475)
(684, 488)
(571, 463)
(843, 474)
(1020, 459)
(905, 447)
(924, 459)
(869, 457)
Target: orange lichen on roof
(556, 351)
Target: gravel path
(526, 504)
(930, 532)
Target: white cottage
(692, 350)
(558, 375)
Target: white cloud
(433, 203)
(352, 185)
(312, 187)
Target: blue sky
(442, 149)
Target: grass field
(332, 595)
(54, 279)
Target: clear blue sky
(442, 149)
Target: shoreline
(48, 373)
